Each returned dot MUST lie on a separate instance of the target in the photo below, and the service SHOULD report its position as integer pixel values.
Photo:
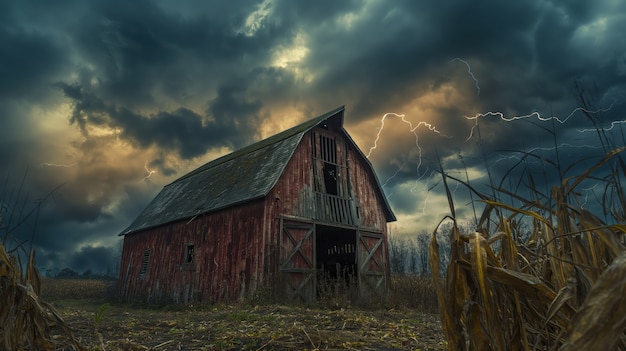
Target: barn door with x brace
(297, 260)
(372, 264)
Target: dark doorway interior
(336, 257)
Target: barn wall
(370, 208)
(293, 193)
(227, 262)
(291, 196)
(370, 204)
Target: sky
(104, 102)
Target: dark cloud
(114, 99)
(232, 122)
(29, 59)
(95, 258)
(140, 52)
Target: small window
(145, 262)
(189, 253)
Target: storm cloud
(115, 99)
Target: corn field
(559, 287)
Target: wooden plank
(298, 240)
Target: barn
(274, 215)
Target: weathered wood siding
(238, 250)
(227, 263)
(370, 208)
(371, 214)
(294, 194)
(293, 198)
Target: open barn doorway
(336, 261)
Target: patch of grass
(240, 316)
(336, 293)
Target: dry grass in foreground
(263, 327)
(561, 287)
(333, 324)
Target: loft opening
(328, 155)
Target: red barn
(271, 216)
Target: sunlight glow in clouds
(256, 18)
(291, 57)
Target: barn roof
(243, 175)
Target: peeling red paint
(244, 247)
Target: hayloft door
(297, 259)
(371, 263)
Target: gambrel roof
(241, 176)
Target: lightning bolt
(392, 176)
(416, 184)
(469, 71)
(613, 124)
(587, 191)
(428, 190)
(455, 189)
(48, 164)
(150, 172)
(539, 117)
(412, 129)
(551, 148)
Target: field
(334, 324)
(544, 274)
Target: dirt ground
(271, 327)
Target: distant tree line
(68, 273)
(409, 254)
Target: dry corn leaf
(601, 320)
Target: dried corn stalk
(25, 320)
(561, 288)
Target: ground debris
(271, 327)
